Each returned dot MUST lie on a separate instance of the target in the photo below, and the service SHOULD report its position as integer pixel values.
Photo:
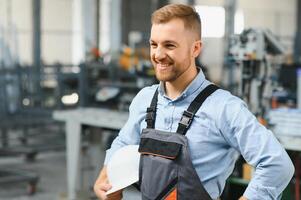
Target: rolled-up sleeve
(260, 148)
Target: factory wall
(57, 28)
(56, 24)
(57, 32)
(15, 31)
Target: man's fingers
(101, 189)
(105, 187)
(102, 185)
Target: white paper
(123, 168)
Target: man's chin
(164, 78)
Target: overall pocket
(150, 146)
(158, 167)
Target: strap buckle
(186, 118)
(150, 114)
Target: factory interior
(69, 70)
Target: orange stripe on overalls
(172, 195)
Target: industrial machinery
(258, 56)
(23, 115)
(255, 53)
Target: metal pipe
(36, 17)
(230, 9)
(97, 24)
(297, 44)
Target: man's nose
(159, 54)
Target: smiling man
(173, 55)
(189, 131)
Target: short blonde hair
(186, 13)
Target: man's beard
(169, 75)
(172, 73)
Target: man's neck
(173, 89)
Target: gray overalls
(166, 171)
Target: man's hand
(100, 189)
(102, 185)
(242, 198)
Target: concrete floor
(51, 168)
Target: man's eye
(170, 46)
(153, 45)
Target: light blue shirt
(222, 129)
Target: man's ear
(197, 48)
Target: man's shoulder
(144, 96)
(223, 105)
(221, 95)
(224, 97)
(147, 91)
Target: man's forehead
(171, 30)
(176, 24)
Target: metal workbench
(75, 119)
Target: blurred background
(69, 70)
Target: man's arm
(102, 185)
(129, 134)
(260, 148)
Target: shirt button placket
(168, 120)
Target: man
(216, 131)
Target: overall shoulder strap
(151, 111)
(188, 114)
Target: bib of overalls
(166, 171)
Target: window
(213, 21)
(239, 24)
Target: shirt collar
(190, 89)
